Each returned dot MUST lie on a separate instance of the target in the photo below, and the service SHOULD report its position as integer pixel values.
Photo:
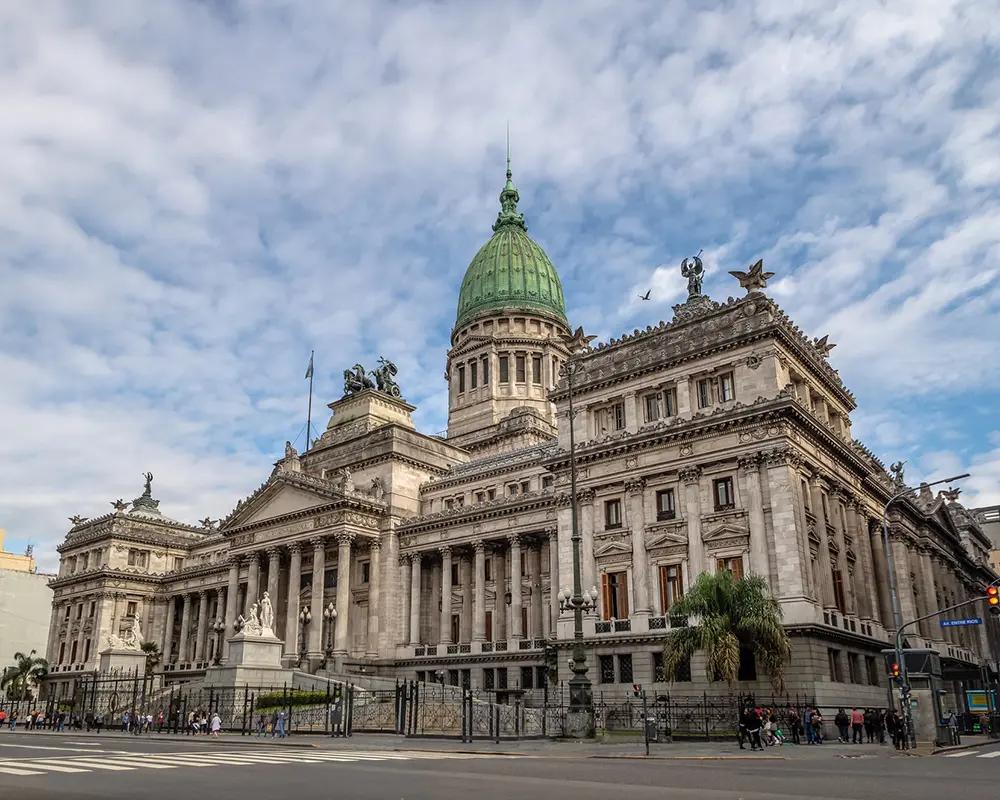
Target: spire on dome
(509, 215)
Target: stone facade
(719, 440)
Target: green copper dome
(510, 271)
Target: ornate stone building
(720, 440)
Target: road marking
(994, 754)
(961, 754)
(13, 771)
(103, 764)
(36, 747)
(58, 766)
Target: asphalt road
(81, 767)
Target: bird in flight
(645, 296)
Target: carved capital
(295, 548)
(479, 546)
(404, 559)
(234, 560)
(253, 559)
(585, 495)
(374, 544)
(782, 456)
(318, 543)
(690, 474)
(514, 539)
(750, 462)
(273, 552)
(552, 534)
(344, 538)
(635, 486)
(445, 551)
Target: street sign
(954, 623)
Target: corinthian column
(374, 595)
(316, 600)
(292, 604)
(750, 469)
(415, 598)
(232, 590)
(691, 478)
(640, 562)
(253, 581)
(445, 637)
(168, 630)
(479, 593)
(182, 648)
(554, 586)
(273, 570)
(340, 644)
(199, 642)
(404, 582)
(823, 565)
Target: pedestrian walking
(817, 720)
(216, 724)
(869, 723)
(280, 726)
(843, 722)
(792, 721)
(857, 726)
(261, 725)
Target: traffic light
(993, 600)
(894, 671)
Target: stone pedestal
(579, 724)
(123, 660)
(254, 660)
(355, 414)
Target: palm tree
(730, 614)
(26, 672)
(152, 651)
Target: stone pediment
(667, 538)
(283, 494)
(612, 549)
(727, 530)
(285, 500)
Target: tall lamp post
(581, 695)
(305, 617)
(219, 627)
(330, 618)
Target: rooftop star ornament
(824, 345)
(119, 505)
(76, 519)
(578, 341)
(754, 279)
(208, 522)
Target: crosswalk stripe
(994, 754)
(138, 761)
(103, 764)
(960, 754)
(14, 771)
(58, 766)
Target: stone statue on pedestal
(266, 616)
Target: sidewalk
(547, 748)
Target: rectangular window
(62, 652)
(491, 494)
(486, 370)
(618, 416)
(129, 609)
(137, 558)
(489, 679)
(625, 668)
(524, 617)
(833, 659)
(489, 570)
(93, 609)
(671, 586)
(670, 398)
(871, 670)
(69, 610)
(606, 668)
(806, 498)
(732, 565)
(525, 487)
(722, 490)
(541, 677)
(536, 369)
(519, 369)
(456, 628)
(330, 579)
(512, 490)
(666, 508)
(473, 375)
(547, 482)
(853, 668)
(461, 379)
(366, 571)
(614, 589)
(480, 497)
(838, 590)
(653, 409)
(727, 389)
(704, 393)
(501, 677)
(612, 514)
(455, 575)
(79, 611)
(527, 678)
(489, 625)
(86, 650)
(659, 676)
(504, 369)
(72, 657)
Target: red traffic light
(993, 595)
(894, 670)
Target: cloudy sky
(194, 195)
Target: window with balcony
(614, 593)
(666, 507)
(504, 369)
(722, 491)
(519, 369)
(612, 513)
(671, 586)
(536, 369)
(731, 564)
(456, 628)
(137, 558)
(727, 388)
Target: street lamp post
(219, 627)
(897, 614)
(330, 617)
(305, 617)
(581, 696)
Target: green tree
(152, 651)
(26, 672)
(727, 614)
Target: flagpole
(310, 411)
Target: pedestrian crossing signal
(993, 600)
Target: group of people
(273, 724)
(198, 722)
(37, 720)
(763, 727)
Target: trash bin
(652, 730)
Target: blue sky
(194, 195)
